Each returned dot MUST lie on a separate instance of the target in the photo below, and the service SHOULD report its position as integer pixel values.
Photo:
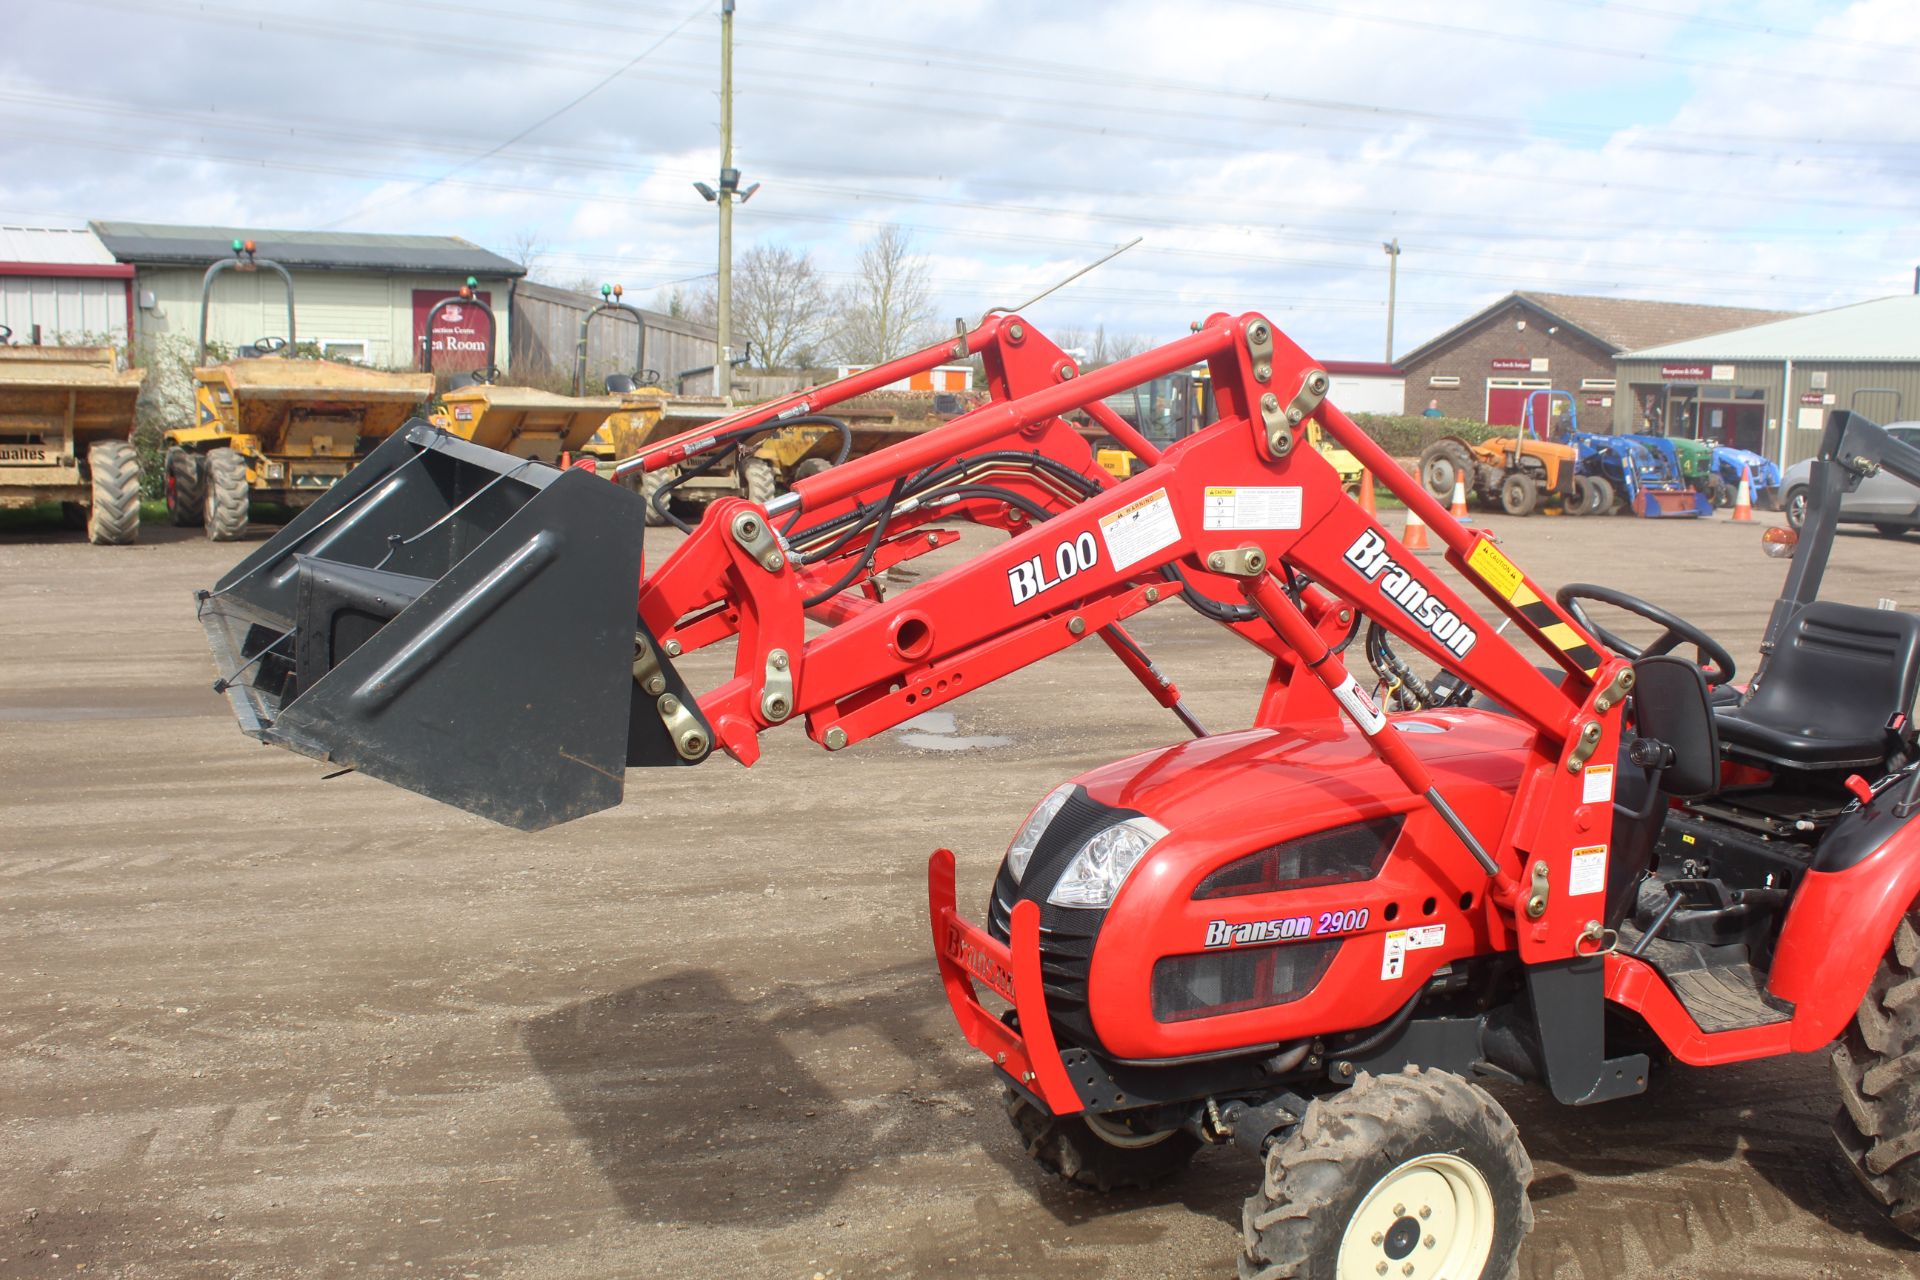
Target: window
(1443, 381)
(1596, 384)
(353, 350)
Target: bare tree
(528, 247)
(780, 306)
(1107, 348)
(888, 311)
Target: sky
(1764, 153)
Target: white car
(1884, 501)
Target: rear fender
(1839, 926)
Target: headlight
(1020, 852)
(1104, 862)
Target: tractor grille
(1067, 934)
(1220, 982)
(1343, 855)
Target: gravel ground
(261, 1024)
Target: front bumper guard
(968, 954)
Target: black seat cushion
(1840, 677)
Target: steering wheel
(6, 335)
(267, 346)
(489, 374)
(1716, 664)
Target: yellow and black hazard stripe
(1540, 615)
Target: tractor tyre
(114, 469)
(812, 467)
(651, 483)
(760, 481)
(1073, 1148)
(1891, 530)
(1441, 464)
(1419, 1172)
(1877, 1066)
(228, 496)
(1579, 500)
(186, 488)
(1519, 494)
(1599, 496)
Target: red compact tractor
(1309, 937)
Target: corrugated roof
(55, 246)
(156, 244)
(1627, 323)
(1883, 329)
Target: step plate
(1727, 998)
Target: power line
(549, 118)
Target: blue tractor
(1626, 470)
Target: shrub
(1406, 435)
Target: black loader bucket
(461, 623)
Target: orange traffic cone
(1743, 496)
(1415, 538)
(1367, 503)
(1459, 509)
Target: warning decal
(1247, 506)
(1498, 572)
(1393, 962)
(1588, 873)
(1139, 529)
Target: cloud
(1761, 156)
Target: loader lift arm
(1248, 529)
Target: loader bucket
(461, 623)
(1657, 503)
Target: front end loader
(272, 427)
(66, 436)
(1313, 938)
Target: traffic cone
(1743, 496)
(1415, 538)
(1459, 509)
(1367, 503)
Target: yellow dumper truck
(66, 428)
(271, 427)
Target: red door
(1506, 406)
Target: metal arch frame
(580, 346)
(251, 262)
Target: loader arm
(479, 628)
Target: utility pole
(1393, 284)
(725, 197)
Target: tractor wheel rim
(1429, 1219)
(1115, 1135)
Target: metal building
(60, 285)
(358, 296)
(1740, 387)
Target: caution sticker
(1139, 529)
(1247, 506)
(1393, 961)
(1494, 569)
(1597, 786)
(1588, 873)
(1360, 706)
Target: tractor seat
(1841, 680)
(618, 383)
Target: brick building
(1484, 367)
